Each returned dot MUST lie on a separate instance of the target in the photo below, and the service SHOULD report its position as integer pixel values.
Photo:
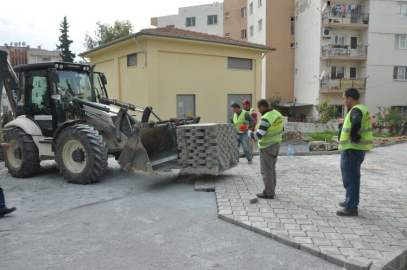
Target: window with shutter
(240, 63)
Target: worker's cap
(246, 102)
(235, 105)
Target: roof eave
(249, 46)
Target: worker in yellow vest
(247, 107)
(243, 118)
(269, 136)
(356, 138)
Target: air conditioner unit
(326, 32)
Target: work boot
(347, 213)
(342, 204)
(7, 211)
(263, 195)
(250, 162)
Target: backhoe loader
(62, 112)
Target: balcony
(330, 85)
(344, 52)
(346, 20)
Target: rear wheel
(22, 158)
(81, 154)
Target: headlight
(61, 66)
(56, 65)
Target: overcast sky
(36, 22)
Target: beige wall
(235, 24)
(179, 67)
(280, 65)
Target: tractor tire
(22, 158)
(81, 154)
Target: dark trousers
(2, 200)
(351, 161)
(268, 160)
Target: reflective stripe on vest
(274, 133)
(366, 132)
(240, 120)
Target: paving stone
(358, 263)
(371, 254)
(329, 250)
(334, 236)
(361, 245)
(288, 221)
(352, 237)
(341, 243)
(372, 239)
(275, 225)
(326, 229)
(381, 247)
(315, 234)
(303, 240)
(279, 232)
(351, 252)
(362, 232)
(256, 219)
(297, 233)
(322, 242)
(309, 228)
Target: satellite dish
(19, 43)
(15, 44)
(322, 75)
(24, 43)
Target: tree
(326, 111)
(275, 101)
(391, 119)
(105, 33)
(65, 42)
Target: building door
(236, 99)
(185, 106)
(353, 73)
(353, 42)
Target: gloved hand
(243, 128)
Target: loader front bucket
(151, 146)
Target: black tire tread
(97, 153)
(31, 162)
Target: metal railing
(345, 51)
(342, 84)
(345, 18)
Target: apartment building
(351, 43)
(203, 18)
(235, 19)
(272, 23)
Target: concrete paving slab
(312, 187)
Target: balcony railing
(344, 51)
(330, 84)
(330, 18)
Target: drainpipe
(145, 52)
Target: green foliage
(391, 119)
(65, 42)
(323, 136)
(326, 111)
(105, 33)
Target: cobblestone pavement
(309, 190)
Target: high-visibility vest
(366, 132)
(240, 120)
(274, 133)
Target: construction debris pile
(207, 148)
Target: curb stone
(398, 261)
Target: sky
(37, 22)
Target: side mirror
(103, 78)
(56, 97)
(54, 76)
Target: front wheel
(81, 154)
(22, 158)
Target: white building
(351, 43)
(204, 18)
(39, 55)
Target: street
(129, 222)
